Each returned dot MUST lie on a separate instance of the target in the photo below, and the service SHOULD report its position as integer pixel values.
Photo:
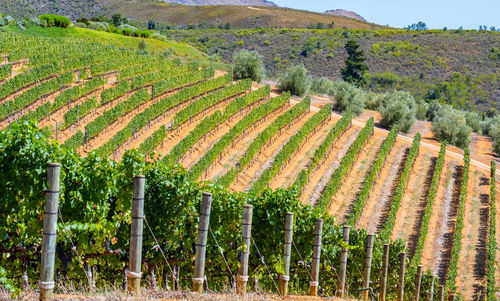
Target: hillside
(457, 66)
(345, 13)
(224, 2)
(180, 15)
(103, 101)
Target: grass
(106, 38)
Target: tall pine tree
(355, 69)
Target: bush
(373, 100)
(321, 85)
(473, 120)
(80, 24)
(51, 20)
(422, 108)
(398, 108)
(450, 125)
(348, 97)
(128, 31)
(248, 64)
(102, 26)
(295, 80)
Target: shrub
(80, 24)
(398, 108)
(450, 125)
(373, 100)
(128, 31)
(102, 26)
(248, 64)
(321, 85)
(489, 123)
(295, 80)
(51, 20)
(473, 120)
(348, 97)
(422, 108)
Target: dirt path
(472, 260)
(442, 223)
(322, 174)
(265, 158)
(302, 157)
(232, 154)
(341, 202)
(415, 196)
(378, 204)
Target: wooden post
(430, 293)
(385, 269)
(343, 264)
(441, 293)
(135, 260)
(401, 281)
(287, 251)
(313, 285)
(418, 283)
(255, 285)
(201, 243)
(246, 232)
(368, 266)
(46, 282)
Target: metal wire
(159, 247)
(302, 259)
(267, 268)
(221, 252)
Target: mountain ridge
(224, 2)
(345, 13)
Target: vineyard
(108, 114)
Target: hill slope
(224, 2)
(345, 13)
(178, 14)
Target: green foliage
(295, 80)
(355, 70)
(142, 119)
(248, 64)
(75, 113)
(238, 129)
(348, 97)
(210, 122)
(293, 144)
(264, 137)
(450, 125)
(385, 80)
(5, 71)
(473, 120)
(457, 240)
(359, 203)
(346, 163)
(50, 20)
(386, 231)
(398, 108)
(429, 204)
(491, 247)
(112, 93)
(325, 146)
(494, 54)
(153, 141)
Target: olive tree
(348, 97)
(451, 125)
(295, 80)
(248, 64)
(398, 108)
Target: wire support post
(136, 230)
(201, 243)
(368, 267)
(246, 232)
(287, 250)
(313, 285)
(343, 263)
(46, 282)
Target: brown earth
(342, 201)
(472, 260)
(378, 202)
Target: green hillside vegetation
(446, 66)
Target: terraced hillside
(247, 137)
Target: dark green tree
(354, 71)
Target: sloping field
(248, 137)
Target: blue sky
(398, 13)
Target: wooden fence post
(201, 243)
(246, 233)
(368, 266)
(401, 281)
(135, 260)
(385, 269)
(287, 251)
(313, 285)
(343, 264)
(441, 293)
(418, 283)
(46, 282)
